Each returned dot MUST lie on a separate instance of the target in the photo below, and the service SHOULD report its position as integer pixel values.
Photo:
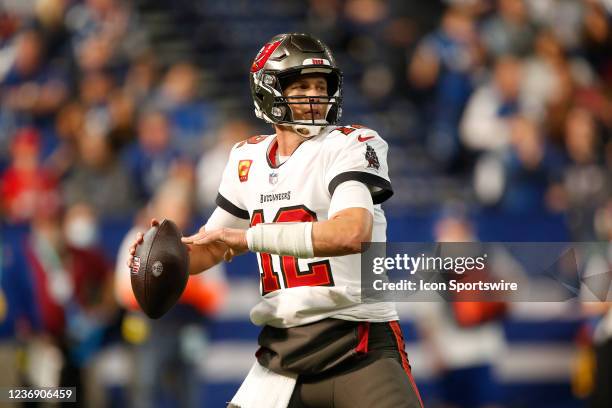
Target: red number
(269, 278)
(318, 273)
(347, 130)
(256, 139)
(251, 140)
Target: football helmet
(284, 58)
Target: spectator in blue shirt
(530, 167)
(151, 158)
(446, 61)
(189, 117)
(32, 90)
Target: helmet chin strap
(308, 131)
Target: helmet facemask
(327, 105)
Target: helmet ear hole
(279, 112)
(269, 80)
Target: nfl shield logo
(273, 178)
(135, 265)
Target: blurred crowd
(504, 104)
(116, 111)
(510, 98)
(521, 98)
(88, 115)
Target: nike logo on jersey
(365, 139)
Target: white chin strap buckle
(309, 130)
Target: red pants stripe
(399, 338)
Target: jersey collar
(271, 156)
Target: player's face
(308, 89)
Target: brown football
(160, 269)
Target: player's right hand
(138, 241)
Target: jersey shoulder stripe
(231, 208)
(381, 192)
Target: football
(160, 269)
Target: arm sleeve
(222, 218)
(351, 194)
(363, 158)
(229, 197)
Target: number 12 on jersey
(318, 273)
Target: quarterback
(304, 199)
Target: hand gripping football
(160, 269)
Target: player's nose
(314, 98)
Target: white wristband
(293, 239)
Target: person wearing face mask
(81, 227)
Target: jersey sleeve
(221, 218)
(362, 157)
(229, 197)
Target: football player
(304, 199)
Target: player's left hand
(234, 239)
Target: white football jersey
(255, 187)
